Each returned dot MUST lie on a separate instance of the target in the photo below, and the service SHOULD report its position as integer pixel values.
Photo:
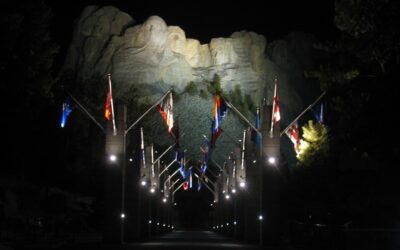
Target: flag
(215, 134)
(276, 114)
(319, 113)
(258, 124)
(179, 158)
(198, 184)
(220, 110)
(206, 153)
(294, 135)
(109, 107)
(166, 110)
(185, 185)
(66, 110)
(190, 179)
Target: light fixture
(149, 221)
(122, 215)
(254, 161)
(227, 196)
(152, 190)
(260, 217)
(227, 224)
(164, 200)
(143, 183)
(113, 158)
(233, 191)
(242, 184)
(234, 223)
(130, 159)
(271, 160)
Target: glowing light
(227, 224)
(227, 196)
(242, 184)
(122, 215)
(233, 191)
(143, 183)
(164, 200)
(130, 159)
(260, 217)
(234, 223)
(113, 158)
(149, 221)
(271, 160)
(152, 190)
(254, 161)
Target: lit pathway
(191, 240)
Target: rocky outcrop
(106, 41)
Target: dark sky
(204, 20)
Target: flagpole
(145, 113)
(242, 116)
(85, 111)
(112, 105)
(273, 107)
(304, 111)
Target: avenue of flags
(164, 107)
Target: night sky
(204, 20)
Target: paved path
(192, 240)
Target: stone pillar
(114, 179)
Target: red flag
(109, 110)
(294, 135)
(185, 185)
(107, 113)
(166, 110)
(276, 114)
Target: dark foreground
(176, 240)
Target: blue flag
(198, 184)
(258, 123)
(66, 110)
(180, 160)
(319, 113)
